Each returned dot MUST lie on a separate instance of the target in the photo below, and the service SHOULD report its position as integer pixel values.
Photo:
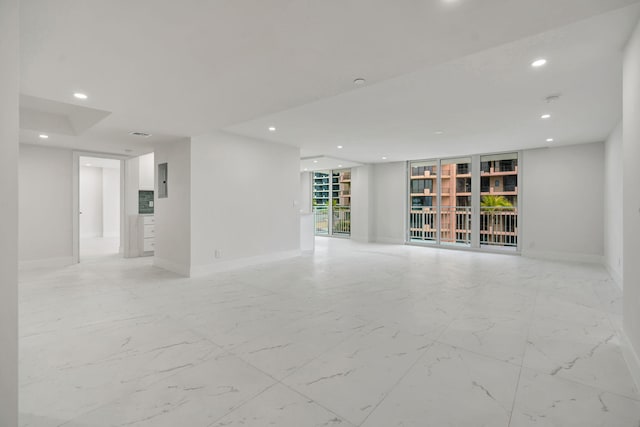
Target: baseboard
(617, 279)
(631, 357)
(47, 263)
(564, 256)
(171, 266)
(232, 264)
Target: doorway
(332, 202)
(99, 202)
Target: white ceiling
(323, 163)
(175, 69)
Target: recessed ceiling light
(539, 62)
(545, 116)
(384, 158)
(315, 161)
(549, 139)
(128, 150)
(43, 136)
(339, 166)
(80, 95)
(306, 169)
(439, 132)
(359, 81)
(140, 134)
(88, 164)
(339, 146)
(272, 128)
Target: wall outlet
(218, 253)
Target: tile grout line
(402, 377)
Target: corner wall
(613, 231)
(562, 203)
(631, 202)
(9, 87)
(173, 214)
(245, 201)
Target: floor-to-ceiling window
(499, 200)
(332, 202)
(468, 201)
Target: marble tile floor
(354, 335)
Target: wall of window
(466, 201)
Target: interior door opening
(100, 210)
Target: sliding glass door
(455, 196)
(468, 201)
(423, 196)
(332, 202)
(499, 200)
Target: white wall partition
(146, 169)
(362, 204)
(613, 231)
(244, 201)
(173, 214)
(390, 201)
(46, 213)
(562, 203)
(631, 201)
(9, 87)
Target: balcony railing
(321, 219)
(340, 220)
(498, 225)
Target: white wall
(146, 170)
(110, 202)
(244, 200)
(173, 214)
(613, 204)
(631, 198)
(90, 202)
(362, 204)
(45, 205)
(389, 202)
(9, 87)
(562, 206)
(306, 196)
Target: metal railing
(455, 224)
(498, 225)
(321, 219)
(340, 220)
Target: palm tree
(492, 204)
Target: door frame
(75, 182)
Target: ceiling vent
(141, 134)
(552, 98)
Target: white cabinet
(146, 234)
